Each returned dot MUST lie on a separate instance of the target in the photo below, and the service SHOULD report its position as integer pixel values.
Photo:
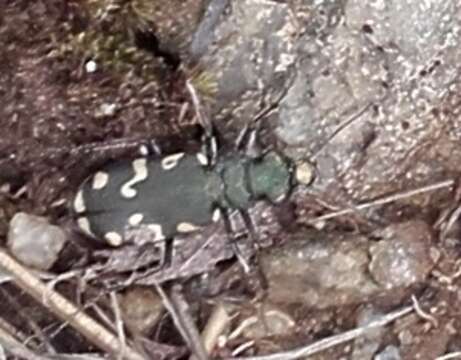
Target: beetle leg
(203, 118)
(256, 245)
(209, 138)
(210, 148)
(247, 141)
(234, 237)
(253, 149)
(241, 137)
(167, 254)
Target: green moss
(109, 36)
(205, 83)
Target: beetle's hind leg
(234, 236)
(255, 243)
(209, 139)
(248, 142)
(235, 233)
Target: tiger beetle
(183, 192)
(179, 193)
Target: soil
(60, 121)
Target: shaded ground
(326, 272)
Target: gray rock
(319, 270)
(249, 52)
(402, 256)
(389, 353)
(357, 86)
(366, 346)
(141, 309)
(322, 270)
(34, 241)
(364, 93)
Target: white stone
(91, 66)
(34, 241)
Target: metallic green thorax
(179, 193)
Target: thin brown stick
(215, 326)
(450, 356)
(14, 347)
(64, 309)
(118, 324)
(334, 340)
(179, 311)
(423, 314)
(385, 200)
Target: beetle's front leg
(255, 243)
(236, 231)
(210, 148)
(247, 142)
(234, 236)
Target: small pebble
(34, 241)
(91, 66)
(389, 353)
(365, 347)
(108, 109)
(141, 309)
(402, 256)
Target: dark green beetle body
(179, 193)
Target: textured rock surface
(323, 270)
(141, 309)
(366, 90)
(35, 242)
(250, 53)
(319, 272)
(402, 256)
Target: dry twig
(385, 200)
(64, 309)
(332, 340)
(119, 324)
(179, 311)
(423, 314)
(215, 326)
(453, 355)
(15, 348)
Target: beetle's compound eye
(304, 173)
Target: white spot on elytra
(100, 179)
(171, 161)
(216, 215)
(185, 227)
(157, 231)
(79, 203)
(140, 174)
(202, 159)
(113, 238)
(135, 219)
(84, 224)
